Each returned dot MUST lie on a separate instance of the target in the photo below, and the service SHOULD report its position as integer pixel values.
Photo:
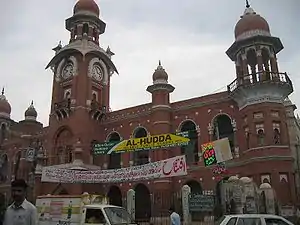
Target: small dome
(251, 21)
(245, 180)
(265, 186)
(160, 75)
(233, 178)
(30, 113)
(5, 108)
(87, 5)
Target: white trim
(184, 121)
(58, 70)
(137, 128)
(75, 65)
(107, 137)
(102, 65)
(220, 114)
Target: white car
(253, 219)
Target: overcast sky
(190, 38)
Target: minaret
(82, 69)
(260, 87)
(161, 109)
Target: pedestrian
(174, 217)
(21, 211)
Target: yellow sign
(149, 143)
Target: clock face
(97, 73)
(68, 71)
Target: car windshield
(219, 221)
(118, 215)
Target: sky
(189, 37)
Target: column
(97, 36)
(79, 31)
(90, 33)
(236, 147)
(210, 131)
(274, 67)
(245, 69)
(199, 143)
(72, 38)
(261, 74)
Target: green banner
(144, 143)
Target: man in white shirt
(20, 212)
(174, 217)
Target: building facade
(251, 113)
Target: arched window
(85, 28)
(223, 129)
(63, 146)
(140, 157)
(192, 149)
(115, 158)
(3, 132)
(260, 137)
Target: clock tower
(82, 69)
(81, 76)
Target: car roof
(255, 215)
(97, 206)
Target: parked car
(253, 219)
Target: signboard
(208, 154)
(201, 203)
(172, 167)
(141, 144)
(217, 151)
(30, 154)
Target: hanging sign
(141, 144)
(218, 151)
(171, 167)
(208, 154)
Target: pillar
(262, 75)
(274, 67)
(235, 139)
(245, 69)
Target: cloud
(190, 37)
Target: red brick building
(251, 114)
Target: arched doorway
(4, 169)
(223, 128)
(140, 157)
(114, 159)
(142, 203)
(64, 145)
(191, 150)
(115, 196)
(196, 189)
(2, 206)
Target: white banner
(172, 167)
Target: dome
(233, 178)
(245, 180)
(30, 113)
(251, 24)
(160, 75)
(88, 6)
(5, 108)
(265, 186)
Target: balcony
(62, 109)
(97, 110)
(263, 85)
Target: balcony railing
(65, 104)
(262, 77)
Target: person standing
(174, 217)
(21, 211)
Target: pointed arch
(63, 139)
(115, 196)
(223, 128)
(114, 158)
(140, 157)
(4, 168)
(191, 151)
(142, 203)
